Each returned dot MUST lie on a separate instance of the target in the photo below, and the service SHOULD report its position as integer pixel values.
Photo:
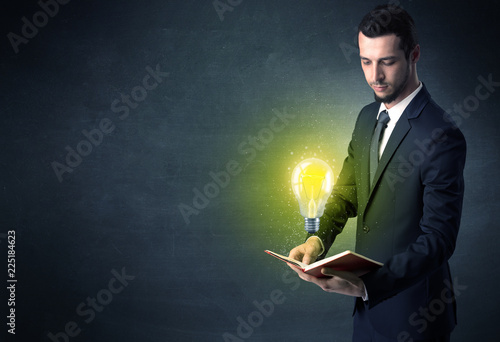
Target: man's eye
(366, 62)
(388, 63)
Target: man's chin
(385, 99)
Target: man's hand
(342, 282)
(346, 283)
(307, 252)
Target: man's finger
(301, 273)
(328, 272)
(294, 254)
(297, 253)
(306, 259)
(342, 275)
(307, 277)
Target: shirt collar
(396, 111)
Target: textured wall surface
(147, 148)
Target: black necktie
(383, 119)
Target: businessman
(403, 179)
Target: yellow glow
(312, 184)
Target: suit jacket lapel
(364, 188)
(398, 134)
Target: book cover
(345, 261)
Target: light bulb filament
(313, 208)
(312, 185)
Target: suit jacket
(408, 219)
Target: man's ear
(415, 54)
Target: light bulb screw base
(311, 225)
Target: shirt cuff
(365, 296)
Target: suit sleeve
(442, 186)
(342, 204)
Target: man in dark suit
(406, 189)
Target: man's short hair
(391, 19)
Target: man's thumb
(306, 259)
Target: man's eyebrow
(380, 59)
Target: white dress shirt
(394, 113)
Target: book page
(287, 259)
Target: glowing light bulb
(312, 184)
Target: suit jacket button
(366, 229)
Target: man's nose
(378, 74)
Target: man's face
(386, 69)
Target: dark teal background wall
(117, 115)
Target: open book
(345, 261)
